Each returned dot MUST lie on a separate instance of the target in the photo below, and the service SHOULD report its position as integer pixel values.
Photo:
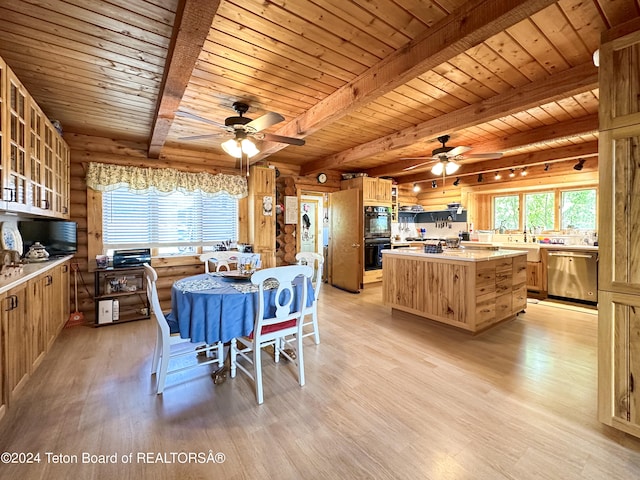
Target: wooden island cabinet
(471, 290)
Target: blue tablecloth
(209, 309)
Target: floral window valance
(105, 177)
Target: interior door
(346, 239)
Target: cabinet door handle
(65, 268)
(48, 280)
(12, 301)
(12, 194)
(46, 204)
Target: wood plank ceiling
(364, 82)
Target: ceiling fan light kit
(444, 157)
(236, 148)
(242, 127)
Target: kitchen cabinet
(395, 207)
(15, 182)
(39, 307)
(534, 276)
(33, 313)
(375, 191)
(619, 221)
(469, 293)
(34, 157)
(16, 340)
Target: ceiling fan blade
(198, 118)
(487, 156)
(199, 137)
(411, 167)
(265, 121)
(457, 151)
(280, 139)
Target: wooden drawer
(519, 298)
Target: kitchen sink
(533, 250)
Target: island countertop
(461, 254)
(469, 289)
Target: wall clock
(322, 178)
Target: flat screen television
(59, 237)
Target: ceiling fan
(241, 129)
(444, 157)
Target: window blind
(130, 220)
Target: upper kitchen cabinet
(619, 221)
(15, 156)
(34, 158)
(375, 191)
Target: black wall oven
(373, 252)
(377, 222)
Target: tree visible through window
(578, 209)
(539, 209)
(506, 212)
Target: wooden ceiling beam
(555, 87)
(192, 24)
(471, 24)
(547, 133)
(583, 150)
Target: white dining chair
(170, 345)
(221, 260)
(316, 261)
(282, 331)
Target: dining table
(220, 306)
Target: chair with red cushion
(282, 327)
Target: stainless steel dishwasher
(573, 275)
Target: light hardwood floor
(387, 397)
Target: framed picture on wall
(309, 211)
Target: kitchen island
(469, 289)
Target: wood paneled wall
(85, 149)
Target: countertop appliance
(131, 258)
(573, 275)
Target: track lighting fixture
(578, 166)
(456, 182)
(480, 178)
(434, 184)
(497, 176)
(524, 172)
(416, 187)
(546, 167)
(512, 173)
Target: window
(506, 212)
(175, 223)
(578, 209)
(539, 210)
(551, 210)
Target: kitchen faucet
(525, 234)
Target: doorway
(313, 223)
